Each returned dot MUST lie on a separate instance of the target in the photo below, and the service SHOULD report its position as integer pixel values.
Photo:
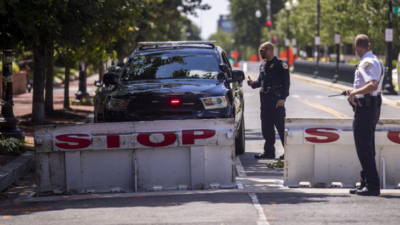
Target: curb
(16, 169)
(338, 87)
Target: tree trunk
(49, 79)
(38, 83)
(101, 71)
(66, 86)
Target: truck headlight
(117, 104)
(214, 102)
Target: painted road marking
(325, 109)
(295, 96)
(262, 219)
(239, 167)
(239, 184)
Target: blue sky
(207, 20)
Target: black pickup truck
(173, 81)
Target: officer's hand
(249, 81)
(352, 99)
(280, 103)
(348, 92)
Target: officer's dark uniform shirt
(274, 73)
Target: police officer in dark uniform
(366, 100)
(274, 81)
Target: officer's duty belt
(271, 90)
(368, 100)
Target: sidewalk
(23, 102)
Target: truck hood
(171, 87)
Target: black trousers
(271, 117)
(364, 124)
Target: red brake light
(175, 101)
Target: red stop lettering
(79, 142)
(169, 139)
(328, 136)
(189, 136)
(394, 136)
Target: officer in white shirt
(366, 100)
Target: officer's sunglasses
(264, 49)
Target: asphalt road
(262, 201)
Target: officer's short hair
(362, 41)
(267, 45)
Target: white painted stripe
(279, 183)
(239, 184)
(262, 219)
(295, 96)
(239, 167)
(319, 97)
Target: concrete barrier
(136, 156)
(321, 153)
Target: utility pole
(337, 42)
(317, 38)
(269, 19)
(388, 88)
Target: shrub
(10, 146)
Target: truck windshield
(171, 66)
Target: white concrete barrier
(322, 152)
(136, 156)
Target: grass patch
(58, 72)
(13, 146)
(276, 165)
(88, 101)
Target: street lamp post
(317, 38)
(337, 42)
(269, 19)
(258, 16)
(388, 87)
(288, 6)
(82, 93)
(8, 122)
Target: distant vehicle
(173, 81)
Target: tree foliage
(89, 30)
(249, 28)
(348, 17)
(225, 40)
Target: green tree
(348, 17)
(248, 28)
(225, 40)
(161, 21)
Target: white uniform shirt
(369, 68)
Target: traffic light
(269, 23)
(275, 39)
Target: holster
(369, 101)
(274, 91)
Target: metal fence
(326, 70)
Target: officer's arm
(285, 77)
(368, 88)
(257, 83)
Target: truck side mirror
(109, 79)
(223, 67)
(238, 76)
